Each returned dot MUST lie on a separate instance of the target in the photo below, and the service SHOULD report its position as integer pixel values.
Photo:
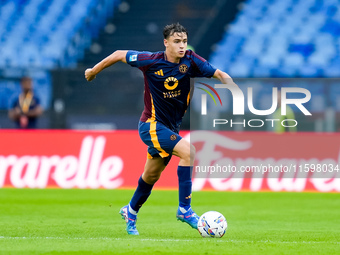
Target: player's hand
(89, 75)
(17, 111)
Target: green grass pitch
(56, 221)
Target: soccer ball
(212, 224)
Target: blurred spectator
(26, 107)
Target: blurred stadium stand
(54, 41)
(42, 35)
(48, 34)
(293, 38)
(273, 38)
(139, 24)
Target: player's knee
(189, 154)
(151, 178)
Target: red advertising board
(258, 161)
(74, 159)
(85, 159)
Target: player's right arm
(118, 55)
(14, 113)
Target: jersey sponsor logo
(133, 57)
(160, 72)
(171, 83)
(183, 68)
(172, 94)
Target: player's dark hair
(169, 30)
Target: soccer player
(166, 97)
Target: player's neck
(170, 58)
(26, 92)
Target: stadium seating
(291, 38)
(49, 34)
(43, 35)
(283, 38)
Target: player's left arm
(205, 69)
(36, 112)
(223, 77)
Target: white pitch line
(164, 240)
(91, 238)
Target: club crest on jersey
(183, 68)
(171, 83)
(173, 137)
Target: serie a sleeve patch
(133, 58)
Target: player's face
(176, 44)
(26, 85)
